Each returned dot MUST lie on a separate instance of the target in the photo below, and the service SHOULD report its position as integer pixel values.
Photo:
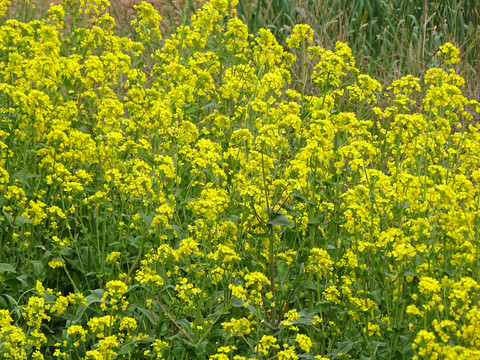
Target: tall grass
(388, 38)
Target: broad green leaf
(281, 220)
(21, 220)
(95, 296)
(236, 302)
(148, 315)
(318, 220)
(6, 268)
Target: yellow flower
(38, 213)
(106, 348)
(56, 263)
(98, 325)
(61, 305)
(237, 35)
(304, 342)
(428, 285)
(373, 329)
(116, 290)
(238, 291)
(4, 6)
(40, 288)
(288, 353)
(219, 357)
(451, 53)
(319, 262)
(159, 346)
(113, 257)
(36, 311)
(77, 330)
(365, 89)
(239, 327)
(128, 323)
(332, 294)
(300, 32)
(266, 343)
(256, 280)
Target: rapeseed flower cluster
(203, 195)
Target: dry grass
(122, 10)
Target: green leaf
(39, 270)
(212, 105)
(236, 302)
(178, 230)
(279, 219)
(306, 317)
(6, 268)
(7, 216)
(79, 313)
(377, 295)
(345, 347)
(148, 315)
(199, 349)
(301, 199)
(308, 314)
(21, 220)
(318, 220)
(95, 296)
(310, 285)
(147, 218)
(125, 348)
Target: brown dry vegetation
(122, 10)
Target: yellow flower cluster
(196, 197)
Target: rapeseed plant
(190, 197)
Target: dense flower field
(217, 195)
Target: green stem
(272, 272)
(270, 213)
(134, 264)
(71, 280)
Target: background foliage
(388, 38)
